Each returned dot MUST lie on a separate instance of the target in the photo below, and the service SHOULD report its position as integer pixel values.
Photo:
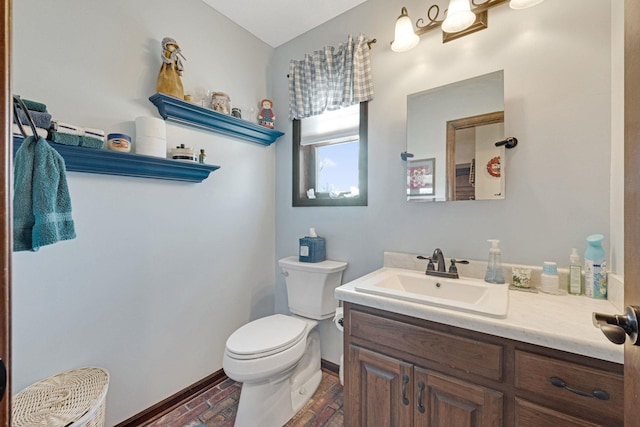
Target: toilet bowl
(277, 358)
(276, 382)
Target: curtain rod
(369, 43)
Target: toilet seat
(266, 336)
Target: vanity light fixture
(405, 38)
(461, 18)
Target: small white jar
(549, 281)
(184, 153)
(119, 142)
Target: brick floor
(324, 409)
(216, 407)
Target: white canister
(151, 126)
(549, 281)
(151, 136)
(150, 146)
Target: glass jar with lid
(221, 102)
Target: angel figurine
(169, 76)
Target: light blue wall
(161, 272)
(557, 103)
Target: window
(330, 158)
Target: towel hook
(17, 102)
(404, 155)
(509, 142)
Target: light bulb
(405, 38)
(459, 16)
(523, 4)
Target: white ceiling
(277, 21)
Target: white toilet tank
(310, 286)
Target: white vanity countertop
(562, 322)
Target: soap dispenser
(494, 266)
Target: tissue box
(312, 249)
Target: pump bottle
(494, 272)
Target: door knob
(616, 327)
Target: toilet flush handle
(285, 273)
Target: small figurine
(266, 116)
(169, 76)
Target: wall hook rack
(404, 155)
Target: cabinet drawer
(533, 373)
(465, 354)
(531, 415)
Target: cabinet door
(448, 401)
(378, 390)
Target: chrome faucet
(438, 257)
(441, 271)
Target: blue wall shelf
(107, 162)
(179, 111)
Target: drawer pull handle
(405, 381)
(420, 396)
(598, 394)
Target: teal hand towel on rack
(23, 218)
(41, 202)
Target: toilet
(277, 358)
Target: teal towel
(41, 120)
(89, 142)
(35, 105)
(65, 138)
(41, 202)
(23, 218)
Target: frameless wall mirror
(451, 135)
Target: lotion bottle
(575, 273)
(494, 272)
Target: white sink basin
(464, 294)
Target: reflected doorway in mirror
(471, 142)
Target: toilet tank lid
(327, 266)
(266, 335)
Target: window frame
(304, 174)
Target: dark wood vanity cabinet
(403, 371)
(392, 392)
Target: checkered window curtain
(330, 78)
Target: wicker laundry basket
(74, 398)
